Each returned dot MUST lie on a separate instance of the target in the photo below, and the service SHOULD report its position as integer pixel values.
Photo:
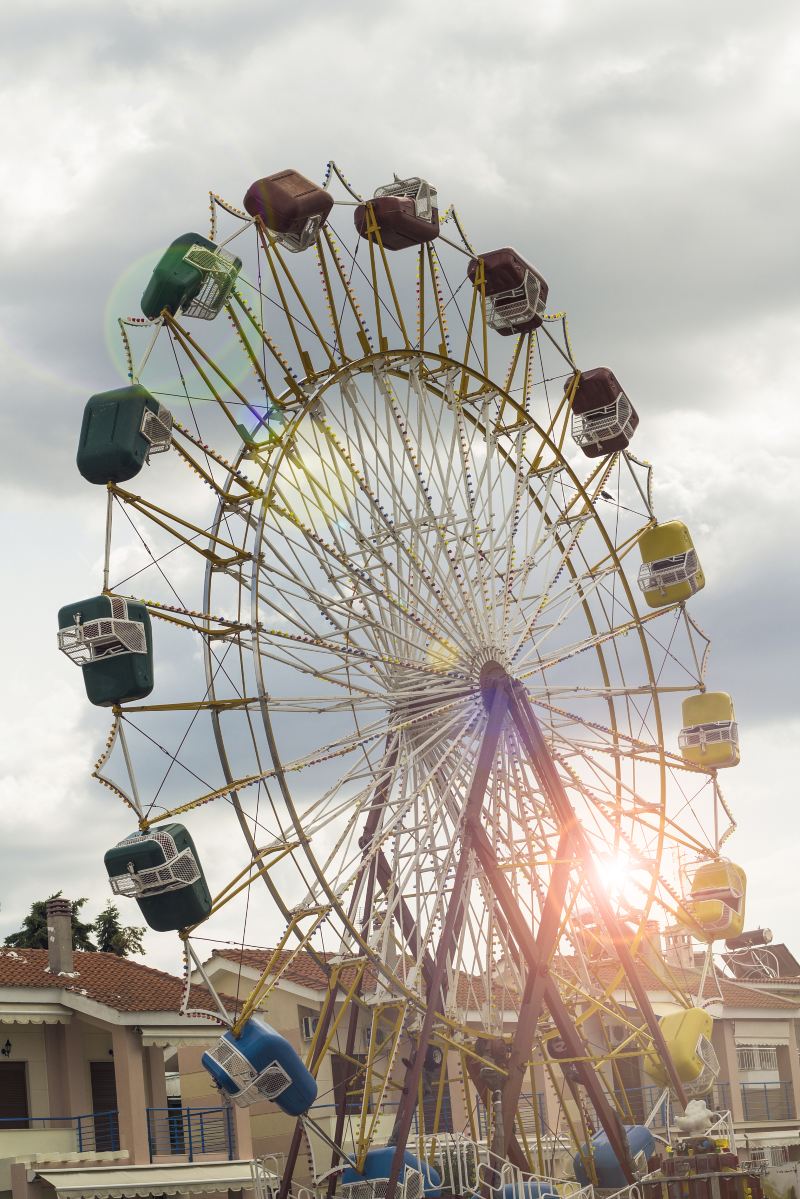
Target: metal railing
(95, 1132)
(525, 1111)
(190, 1131)
(767, 1101)
(638, 1103)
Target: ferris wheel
(394, 610)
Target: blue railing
(190, 1131)
(767, 1101)
(96, 1132)
(639, 1102)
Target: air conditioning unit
(309, 1027)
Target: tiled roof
(304, 971)
(470, 992)
(119, 983)
(733, 994)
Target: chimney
(678, 947)
(59, 936)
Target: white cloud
(640, 154)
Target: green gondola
(119, 432)
(111, 639)
(160, 869)
(192, 275)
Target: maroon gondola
(516, 291)
(291, 207)
(405, 211)
(603, 418)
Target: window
(429, 1103)
(765, 1156)
(746, 1058)
(307, 1019)
(756, 1057)
(348, 1083)
(13, 1095)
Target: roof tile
(304, 971)
(119, 983)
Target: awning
(33, 1014)
(116, 1182)
(190, 1036)
(761, 1032)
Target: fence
(767, 1101)
(525, 1111)
(95, 1132)
(190, 1131)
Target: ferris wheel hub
(492, 677)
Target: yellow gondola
(670, 570)
(717, 898)
(710, 735)
(688, 1037)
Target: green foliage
(33, 934)
(111, 936)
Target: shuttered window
(13, 1095)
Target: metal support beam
(297, 1134)
(533, 997)
(531, 734)
(404, 917)
(515, 1152)
(486, 755)
(520, 930)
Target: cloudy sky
(645, 155)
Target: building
(102, 1091)
(89, 1090)
(756, 1038)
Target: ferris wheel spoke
(513, 527)
(440, 556)
(449, 485)
(598, 638)
(396, 805)
(339, 612)
(579, 591)
(361, 585)
(381, 520)
(552, 575)
(394, 822)
(424, 517)
(544, 532)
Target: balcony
(764, 1101)
(191, 1133)
(184, 1133)
(638, 1102)
(96, 1132)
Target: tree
(113, 937)
(33, 934)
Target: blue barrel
(378, 1164)
(277, 1071)
(609, 1171)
